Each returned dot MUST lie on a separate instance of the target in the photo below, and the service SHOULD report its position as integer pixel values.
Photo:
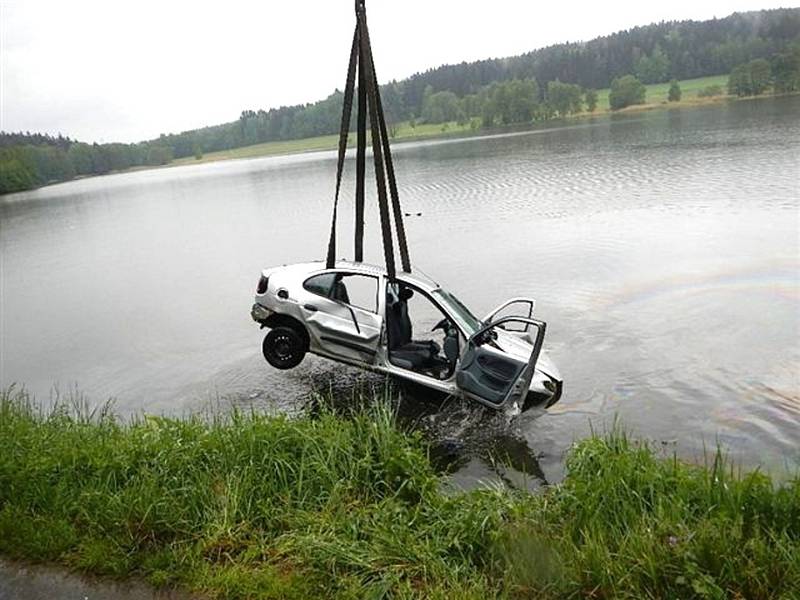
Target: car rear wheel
(284, 347)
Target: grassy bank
(248, 506)
(656, 98)
(323, 142)
(658, 93)
(403, 132)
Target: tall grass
(631, 525)
(249, 506)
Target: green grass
(324, 142)
(657, 92)
(250, 506)
(403, 131)
(656, 95)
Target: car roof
(415, 278)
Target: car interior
(426, 356)
(339, 289)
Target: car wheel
(284, 347)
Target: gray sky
(126, 71)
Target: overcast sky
(117, 70)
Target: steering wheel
(444, 325)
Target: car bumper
(260, 313)
(557, 388)
(544, 393)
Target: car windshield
(466, 320)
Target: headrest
(406, 293)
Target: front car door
(493, 376)
(528, 303)
(341, 314)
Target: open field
(656, 96)
(349, 506)
(404, 132)
(657, 92)
(324, 142)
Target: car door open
(492, 375)
(528, 303)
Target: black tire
(284, 347)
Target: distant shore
(408, 132)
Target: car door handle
(310, 307)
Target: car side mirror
(486, 336)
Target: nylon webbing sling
(398, 213)
(368, 100)
(361, 155)
(345, 127)
(377, 155)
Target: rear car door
(341, 314)
(493, 376)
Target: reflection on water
(663, 250)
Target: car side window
(360, 291)
(320, 284)
(356, 290)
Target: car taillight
(262, 285)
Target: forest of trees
(30, 160)
(550, 82)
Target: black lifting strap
(396, 210)
(380, 175)
(361, 155)
(345, 127)
(368, 99)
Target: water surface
(663, 249)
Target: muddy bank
(19, 581)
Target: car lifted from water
(356, 314)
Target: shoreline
(28, 580)
(250, 505)
(452, 131)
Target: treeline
(546, 83)
(654, 53)
(781, 73)
(507, 102)
(30, 160)
(525, 100)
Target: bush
(709, 91)
(626, 91)
(786, 70)
(590, 98)
(564, 98)
(750, 79)
(674, 94)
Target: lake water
(663, 249)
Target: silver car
(408, 327)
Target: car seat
(403, 350)
(339, 291)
